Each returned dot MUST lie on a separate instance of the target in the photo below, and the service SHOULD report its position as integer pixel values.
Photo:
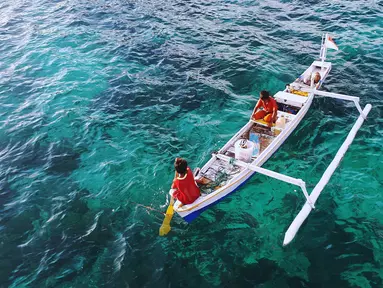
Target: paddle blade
(165, 227)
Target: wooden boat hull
(191, 211)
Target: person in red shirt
(184, 185)
(270, 108)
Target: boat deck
(219, 172)
(221, 175)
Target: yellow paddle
(165, 227)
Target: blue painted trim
(190, 217)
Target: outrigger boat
(225, 172)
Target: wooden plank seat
(262, 122)
(288, 117)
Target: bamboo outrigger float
(225, 171)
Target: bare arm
(274, 115)
(256, 107)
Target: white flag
(330, 44)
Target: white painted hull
(191, 211)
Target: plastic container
(244, 150)
(281, 122)
(254, 137)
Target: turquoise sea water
(98, 97)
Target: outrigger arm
(312, 198)
(342, 97)
(272, 174)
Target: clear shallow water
(97, 98)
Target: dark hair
(264, 94)
(181, 165)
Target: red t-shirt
(270, 106)
(187, 190)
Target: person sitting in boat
(184, 186)
(269, 108)
(316, 77)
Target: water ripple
(97, 98)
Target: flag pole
(321, 48)
(323, 51)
